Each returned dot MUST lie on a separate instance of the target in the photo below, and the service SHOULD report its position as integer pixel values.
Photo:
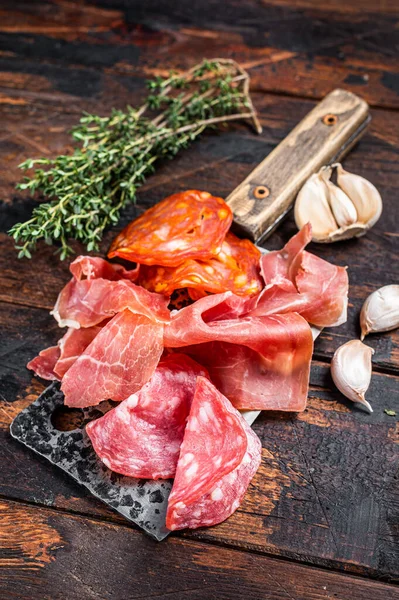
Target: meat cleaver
(259, 203)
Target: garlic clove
(312, 206)
(351, 371)
(347, 233)
(343, 209)
(380, 312)
(362, 193)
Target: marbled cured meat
(218, 458)
(87, 302)
(118, 362)
(189, 224)
(235, 268)
(260, 363)
(297, 281)
(54, 362)
(142, 436)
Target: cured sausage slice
(190, 224)
(218, 458)
(118, 362)
(142, 436)
(297, 281)
(235, 268)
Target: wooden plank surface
(327, 491)
(50, 554)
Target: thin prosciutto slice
(260, 363)
(142, 436)
(43, 364)
(118, 362)
(297, 281)
(98, 290)
(52, 363)
(218, 458)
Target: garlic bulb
(363, 194)
(337, 212)
(351, 371)
(314, 193)
(380, 312)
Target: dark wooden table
(321, 518)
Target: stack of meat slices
(181, 377)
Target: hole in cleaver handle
(325, 135)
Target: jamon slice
(142, 436)
(218, 458)
(43, 364)
(235, 268)
(93, 267)
(87, 302)
(55, 361)
(297, 281)
(72, 345)
(259, 363)
(117, 363)
(190, 224)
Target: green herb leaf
(87, 190)
(389, 412)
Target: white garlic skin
(380, 312)
(351, 371)
(343, 209)
(362, 193)
(337, 212)
(314, 194)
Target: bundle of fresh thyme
(88, 189)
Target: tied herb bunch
(87, 189)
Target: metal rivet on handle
(330, 120)
(261, 191)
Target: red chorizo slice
(190, 224)
(235, 268)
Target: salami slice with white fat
(141, 437)
(218, 458)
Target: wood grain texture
(304, 49)
(327, 490)
(58, 554)
(324, 135)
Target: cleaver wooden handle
(325, 135)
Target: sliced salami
(142, 436)
(190, 224)
(218, 458)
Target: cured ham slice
(117, 363)
(43, 364)
(297, 281)
(93, 267)
(218, 458)
(87, 302)
(190, 224)
(72, 345)
(142, 436)
(260, 363)
(54, 362)
(235, 268)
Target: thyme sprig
(87, 190)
